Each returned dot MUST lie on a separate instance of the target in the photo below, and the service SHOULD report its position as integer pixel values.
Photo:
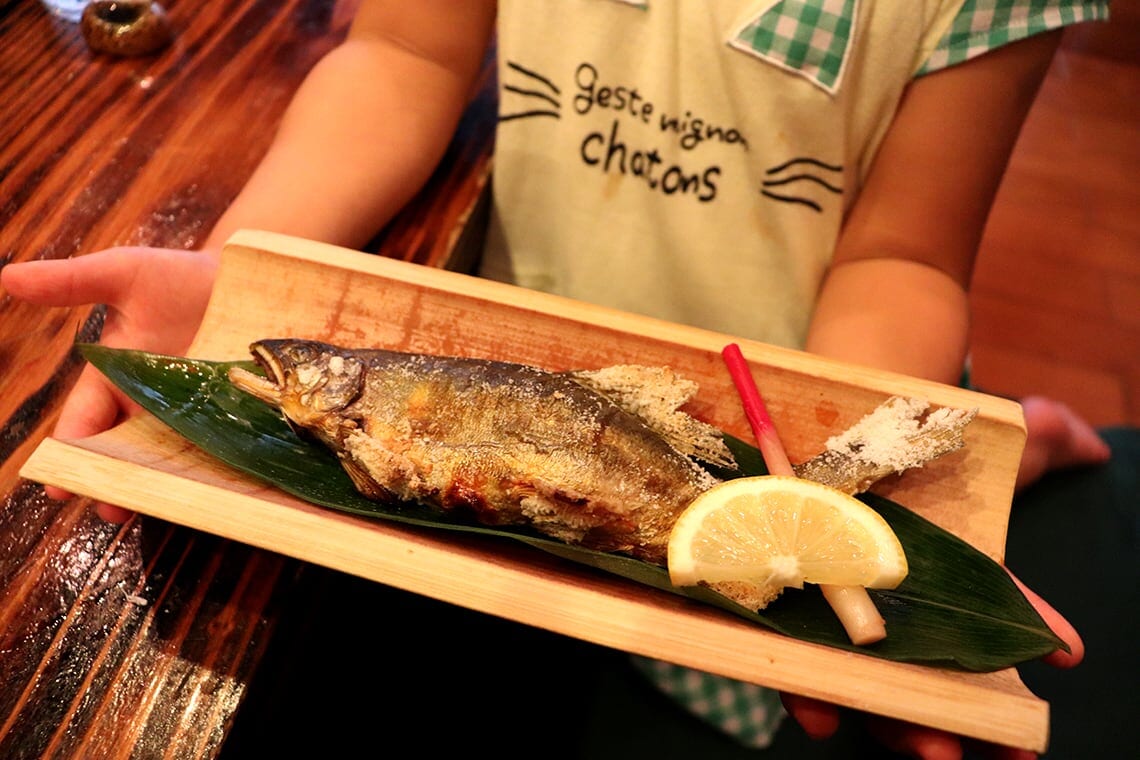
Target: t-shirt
(694, 160)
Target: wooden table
(140, 640)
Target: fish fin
(362, 479)
(898, 435)
(655, 394)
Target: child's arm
(369, 123)
(895, 297)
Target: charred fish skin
(509, 443)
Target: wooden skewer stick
(851, 604)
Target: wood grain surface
(141, 640)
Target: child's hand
(155, 300)
(820, 720)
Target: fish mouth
(267, 389)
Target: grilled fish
(510, 444)
(604, 458)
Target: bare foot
(1057, 437)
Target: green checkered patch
(804, 36)
(984, 25)
(747, 712)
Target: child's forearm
(893, 314)
(895, 296)
(362, 134)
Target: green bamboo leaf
(957, 608)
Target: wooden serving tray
(276, 286)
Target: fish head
(309, 381)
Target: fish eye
(303, 353)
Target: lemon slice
(783, 531)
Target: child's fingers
(93, 278)
(818, 719)
(1060, 626)
(92, 407)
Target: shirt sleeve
(984, 25)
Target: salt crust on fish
(656, 395)
(898, 435)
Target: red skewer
(775, 458)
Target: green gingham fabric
(984, 25)
(808, 37)
(811, 38)
(747, 712)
